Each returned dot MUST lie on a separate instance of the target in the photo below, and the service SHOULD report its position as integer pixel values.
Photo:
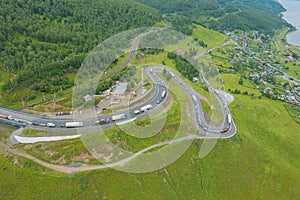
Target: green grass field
(260, 162)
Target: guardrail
(11, 123)
(17, 111)
(149, 93)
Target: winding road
(206, 129)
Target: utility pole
(142, 76)
(22, 102)
(44, 99)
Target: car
(42, 124)
(10, 118)
(50, 124)
(137, 112)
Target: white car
(50, 125)
(137, 112)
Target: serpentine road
(206, 129)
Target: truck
(74, 124)
(223, 130)
(163, 94)
(102, 121)
(194, 99)
(3, 116)
(229, 118)
(146, 108)
(118, 117)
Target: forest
(219, 15)
(43, 40)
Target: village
(269, 72)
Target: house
(268, 90)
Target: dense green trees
(226, 14)
(183, 66)
(42, 40)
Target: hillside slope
(41, 41)
(226, 14)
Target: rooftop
(120, 89)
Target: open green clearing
(294, 112)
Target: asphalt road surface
(206, 129)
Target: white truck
(74, 124)
(118, 117)
(229, 118)
(163, 94)
(194, 99)
(146, 108)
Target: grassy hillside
(43, 44)
(260, 162)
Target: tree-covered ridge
(226, 14)
(42, 40)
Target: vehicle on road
(146, 108)
(3, 116)
(194, 99)
(74, 124)
(229, 118)
(102, 121)
(118, 117)
(163, 94)
(137, 112)
(50, 125)
(224, 130)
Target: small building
(120, 89)
(195, 79)
(268, 91)
(87, 97)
